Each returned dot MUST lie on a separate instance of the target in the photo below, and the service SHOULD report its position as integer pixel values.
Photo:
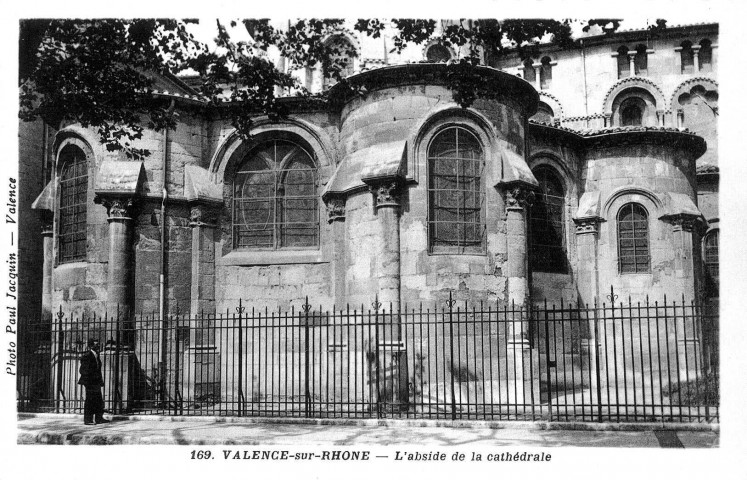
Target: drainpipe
(161, 276)
(586, 93)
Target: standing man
(91, 378)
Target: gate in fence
(611, 362)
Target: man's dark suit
(92, 380)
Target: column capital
(519, 196)
(588, 225)
(119, 208)
(46, 219)
(203, 215)
(386, 193)
(683, 222)
(335, 208)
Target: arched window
(341, 57)
(686, 57)
(275, 198)
(547, 242)
(456, 195)
(529, 73)
(71, 234)
(623, 64)
(632, 239)
(641, 60)
(545, 73)
(438, 53)
(710, 258)
(705, 56)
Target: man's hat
(92, 341)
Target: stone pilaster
(683, 230)
(336, 216)
(119, 286)
(47, 233)
(587, 250)
(203, 220)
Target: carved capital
(335, 209)
(46, 219)
(683, 222)
(519, 197)
(589, 225)
(386, 194)
(203, 216)
(118, 208)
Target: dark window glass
(438, 54)
(545, 73)
(274, 198)
(73, 205)
(705, 56)
(547, 241)
(710, 254)
(456, 196)
(686, 58)
(623, 63)
(641, 60)
(529, 73)
(631, 115)
(632, 239)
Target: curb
(408, 423)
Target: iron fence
(611, 362)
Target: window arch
(686, 57)
(275, 203)
(641, 60)
(632, 239)
(547, 223)
(623, 64)
(455, 192)
(71, 232)
(545, 73)
(529, 74)
(711, 261)
(705, 56)
(544, 114)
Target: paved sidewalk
(69, 429)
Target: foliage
(700, 392)
(100, 73)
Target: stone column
(631, 59)
(519, 197)
(387, 204)
(119, 281)
(204, 384)
(660, 117)
(336, 216)
(696, 58)
(537, 71)
(48, 265)
(607, 119)
(390, 352)
(680, 118)
(118, 356)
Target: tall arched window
(456, 195)
(545, 73)
(623, 64)
(686, 57)
(529, 73)
(547, 240)
(710, 258)
(71, 234)
(632, 239)
(275, 198)
(641, 60)
(342, 53)
(705, 56)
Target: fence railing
(613, 362)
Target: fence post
(547, 364)
(376, 306)
(451, 303)
(117, 393)
(596, 361)
(60, 370)
(240, 311)
(307, 391)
